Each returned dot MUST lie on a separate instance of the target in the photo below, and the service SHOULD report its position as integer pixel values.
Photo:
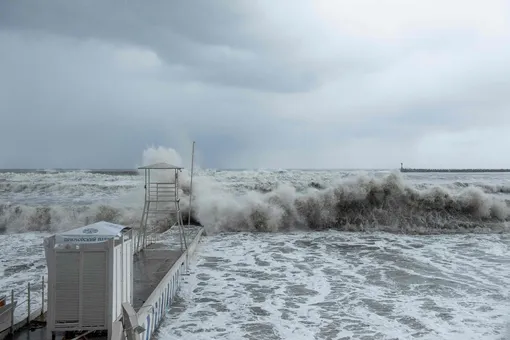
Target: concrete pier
(110, 281)
(402, 169)
(150, 267)
(455, 170)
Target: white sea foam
(332, 285)
(262, 201)
(298, 285)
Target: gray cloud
(288, 84)
(220, 41)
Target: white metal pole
(12, 312)
(191, 181)
(42, 297)
(28, 305)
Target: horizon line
(244, 169)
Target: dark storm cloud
(218, 40)
(257, 84)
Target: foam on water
(276, 201)
(22, 261)
(332, 285)
(288, 284)
(63, 188)
(263, 200)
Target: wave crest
(355, 203)
(361, 203)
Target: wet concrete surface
(149, 267)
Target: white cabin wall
(118, 283)
(114, 287)
(117, 299)
(128, 259)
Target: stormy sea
(298, 254)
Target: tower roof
(160, 166)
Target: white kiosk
(89, 277)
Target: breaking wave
(361, 203)
(350, 202)
(356, 204)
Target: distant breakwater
(453, 170)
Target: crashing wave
(355, 203)
(360, 203)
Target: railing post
(12, 311)
(28, 305)
(42, 297)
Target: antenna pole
(191, 181)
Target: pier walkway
(149, 268)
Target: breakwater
(453, 170)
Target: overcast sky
(272, 84)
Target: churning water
(343, 255)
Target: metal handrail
(15, 303)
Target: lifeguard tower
(105, 281)
(161, 201)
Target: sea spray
(227, 201)
(355, 203)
